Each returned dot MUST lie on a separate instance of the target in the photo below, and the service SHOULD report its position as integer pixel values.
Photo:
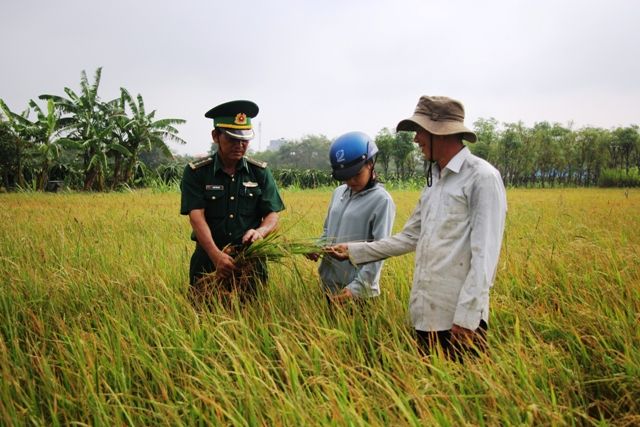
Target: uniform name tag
(214, 187)
(250, 184)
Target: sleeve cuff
(186, 210)
(355, 252)
(468, 319)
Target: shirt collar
(217, 164)
(455, 164)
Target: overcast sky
(332, 66)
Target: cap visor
(232, 108)
(244, 134)
(346, 173)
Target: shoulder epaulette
(256, 162)
(200, 162)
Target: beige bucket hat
(440, 116)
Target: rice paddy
(96, 326)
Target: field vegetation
(96, 327)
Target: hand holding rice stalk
(250, 261)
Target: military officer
(230, 199)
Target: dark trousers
(430, 341)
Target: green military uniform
(232, 204)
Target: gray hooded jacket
(362, 217)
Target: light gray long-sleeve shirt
(456, 230)
(362, 217)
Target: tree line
(88, 143)
(544, 155)
(549, 154)
(397, 156)
(97, 145)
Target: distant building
(275, 144)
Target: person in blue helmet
(360, 210)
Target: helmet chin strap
(429, 170)
(372, 176)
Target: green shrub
(619, 178)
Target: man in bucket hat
(231, 201)
(456, 230)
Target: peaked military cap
(234, 117)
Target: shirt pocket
(215, 201)
(456, 207)
(454, 217)
(248, 200)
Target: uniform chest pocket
(215, 203)
(248, 200)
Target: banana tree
(120, 135)
(143, 132)
(89, 126)
(19, 127)
(101, 146)
(49, 133)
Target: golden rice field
(96, 327)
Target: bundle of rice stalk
(276, 248)
(250, 261)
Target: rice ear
(273, 248)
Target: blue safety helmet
(349, 152)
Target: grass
(96, 326)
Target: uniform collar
(217, 164)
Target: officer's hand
(224, 265)
(340, 252)
(251, 236)
(344, 295)
(313, 256)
